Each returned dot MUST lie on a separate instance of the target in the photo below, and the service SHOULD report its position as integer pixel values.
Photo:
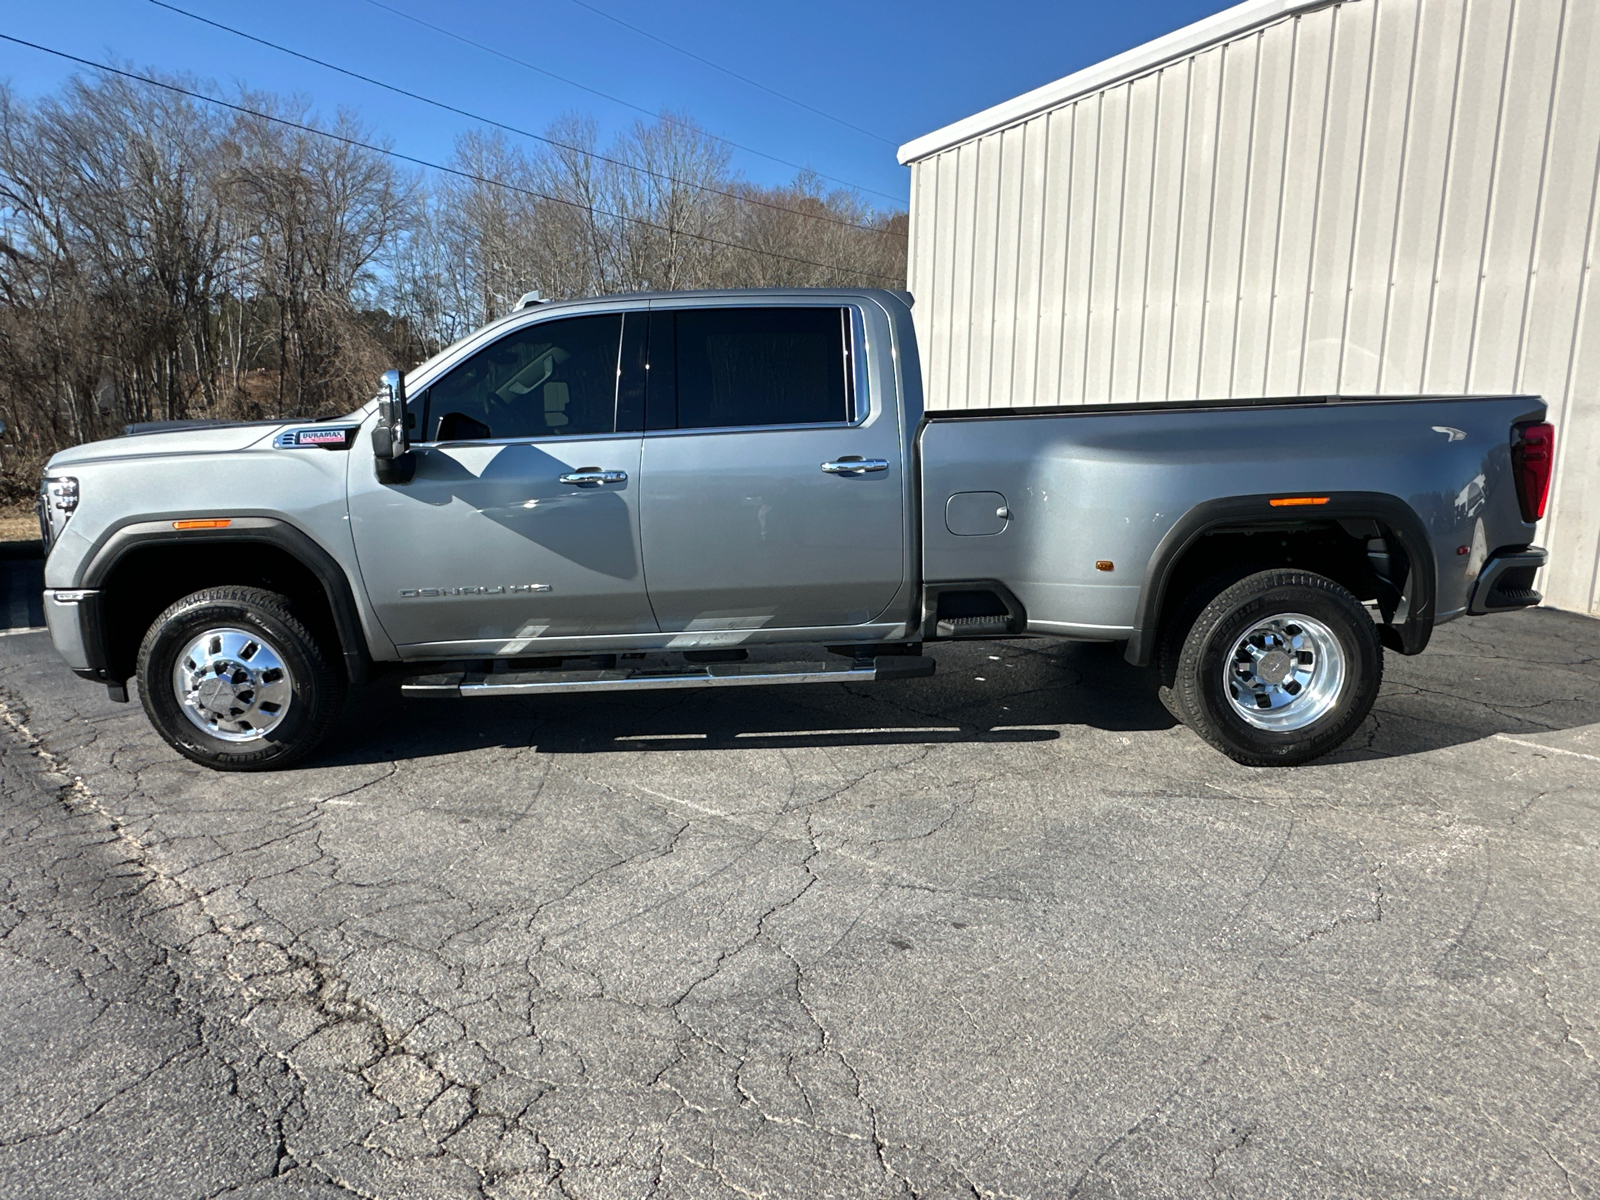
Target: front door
(520, 526)
(753, 512)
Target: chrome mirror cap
(390, 439)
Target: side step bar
(537, 683)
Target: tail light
(1533, 458)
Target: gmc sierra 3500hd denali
(631, 492)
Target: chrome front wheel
(233, 684)
(232, 678)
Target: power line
(593, 91)
(726, 71)
(433, 166)
(472, 116)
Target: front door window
(555, 379)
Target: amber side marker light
(1296, 501)
(221, 523)
(1105, 564)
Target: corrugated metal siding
(1379, 196)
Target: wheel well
(1362, 554)
(146, 579)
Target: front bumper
(72, 616)
(1506, 582)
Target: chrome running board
(624, 679)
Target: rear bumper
(1506, 581)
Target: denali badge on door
(504, 589)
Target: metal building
(1292, 197)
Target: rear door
(520, 526)
(772, 493)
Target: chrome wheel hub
(233, 684)
(1284, 672)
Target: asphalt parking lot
(1005, 932)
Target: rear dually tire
(1278, 668)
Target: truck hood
(161, 438)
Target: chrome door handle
(855, 466)
(585, 475)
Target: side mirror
(391, 439)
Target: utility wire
(433, 166)
(741, 78)
(472, 116)
(593, 91)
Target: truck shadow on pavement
(1519, 675)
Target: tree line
(162, 258)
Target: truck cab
(672, 473)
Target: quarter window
(752, 366)
(551, 379)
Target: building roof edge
(1229, 23)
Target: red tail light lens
(1533, 458)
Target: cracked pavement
(1003, 932)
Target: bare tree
(319, 212)
(164, 258)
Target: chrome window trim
(858, 362)
(730, 429)
(866, 409)
(530, 441)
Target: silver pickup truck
(639, 491)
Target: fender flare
(299, 545)
(1410, 636)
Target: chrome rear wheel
(1278, 668)
(1285, 672)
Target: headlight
(58, 497)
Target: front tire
(233, 680)
(1278, 669)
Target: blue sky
(895, 69)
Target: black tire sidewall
(1174, 632)
(310, 679)
(1203, 696)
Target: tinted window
(759, 366)
(553, 379)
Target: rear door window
(740, 367)
(551, 379)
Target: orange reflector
(1296, 501)
(215, 523)
(1105, 564)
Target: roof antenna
(528, 300)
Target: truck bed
(1096, 493)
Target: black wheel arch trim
(91, 629)
(1410, 636)
(271, 531)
